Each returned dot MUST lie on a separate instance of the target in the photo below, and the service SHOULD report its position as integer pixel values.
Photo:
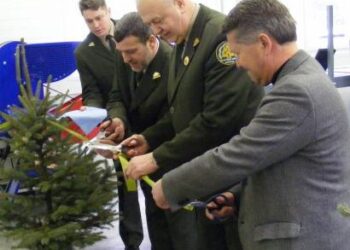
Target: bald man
(210, 100)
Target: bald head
(154, 1)
(141, 4)
(169, 19)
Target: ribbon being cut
(87, 120)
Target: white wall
(48, 20)
(54, 21)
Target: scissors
(203, 205)
(115, 149)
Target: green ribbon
(131, 184)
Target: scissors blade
(104, 146)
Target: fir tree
(69, 195)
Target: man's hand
(114, 129)
(141, 165)
(158, 195)
(221, 207)
(135, 145)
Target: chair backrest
(55, 59)
(8, 87)
(345, 95)
(322, 57)
(43, 59)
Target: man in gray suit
(292, 160)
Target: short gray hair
(250, 17)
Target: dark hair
(250, 17)
(91, 5)
(131, 24)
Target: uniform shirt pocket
(280, 230)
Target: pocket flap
(280, 230)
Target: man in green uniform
(96, 63)
(138, 96)
(94, 56)
(210, 101)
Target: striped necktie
(112, 43)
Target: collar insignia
(196, 42)
(156, 75)
(186, 60)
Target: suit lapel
(99, 49)
(188, 53)
(151, 79)
(292, 63)
(143, 91)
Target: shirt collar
(111, 32)
(193, 18)
(275, 76)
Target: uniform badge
(186, 60)
(91, 44)
(155, 75)
(196, 42)
(224, 54)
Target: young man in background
(96, 62)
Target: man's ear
(152, 40)
(180, 4)
(265, 41)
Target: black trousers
(169, 230)
(215, 236)
(130, 222)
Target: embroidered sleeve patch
(224, 54)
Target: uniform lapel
(98, 49)
(143, 91)
(151, 79)
(192, 44)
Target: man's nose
(95, 24)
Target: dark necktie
(138, 79)
(179, 50)
(112, 43)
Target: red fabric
(75, 104)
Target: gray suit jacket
(293, 163)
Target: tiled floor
(112, 241)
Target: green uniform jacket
(143, 106)
(96, 67)
(209, 98)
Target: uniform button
(241, 222)
(172, 110)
